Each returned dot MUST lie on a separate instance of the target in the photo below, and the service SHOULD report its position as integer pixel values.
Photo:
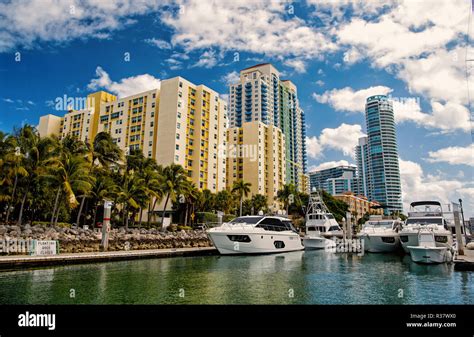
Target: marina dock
(465, 262)
(25, 261)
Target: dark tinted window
(247, 219)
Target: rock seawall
(77, 240)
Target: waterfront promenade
(26, 261)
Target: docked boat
(321, 227)
(381, 235)
(427, 215)
(427, 251)
(256, 235)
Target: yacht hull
(258, 243)
(314, 242)
(381, 243)
(411, 239)
(428, 255)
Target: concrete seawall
(23, 261)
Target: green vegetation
(65, 181)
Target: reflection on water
(313, 277)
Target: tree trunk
(186, 215)
(164, 210)
(95, 216)
(55, 204)
(241, 199)
(149, 215)
(20, 216)
(126, 217)
(140, 218)
(57, 216)
(13, 198)
(80, 210)
(153, 209)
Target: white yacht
(381, 235)
(427, 251)
(425, 215)
(320, 225)
(256, 235)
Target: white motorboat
(381, 235)
(427, 251)
(321, 227)
(256, 235)
(425, 215)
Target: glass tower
(383, 172)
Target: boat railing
(254, 227)
(424, 214)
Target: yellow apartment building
(256, 154)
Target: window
(178, 126)
(177, 136)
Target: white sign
(44, 247)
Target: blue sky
(336, 52)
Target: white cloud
(231, 78)
(320, 83)
(208, 59)
(344, 138)
(329, 164)
(347, 99)
(408, 30)
(161, 44)
(261, 27)
(31, 103)
(126, 86)
(416, 185)
(352, 56)
(314, 147)
(446, 117)
(25, 23)
(8, 100)
(297, 64)
(440, 76)
(454, 155)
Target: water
(311, 277)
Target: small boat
(381, 235)
(426, 215)
(427, 251)
(256, 235)
(321, 227)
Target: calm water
(315, 277)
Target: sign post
(349, 225)
(104, 245)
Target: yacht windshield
(384, 224)
(425, 221)
(247, 219)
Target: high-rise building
(334, 180)
(81, 123)
(377, 156)
(362, 159)
(178, 123)
(256, 154)
(262, 96)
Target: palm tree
(35, 152)
(72, 174)
(191, 194)
(103, 188)
(224, 201)
(174, 177)
(12, 168)
(132, 194)
(286, 194)
(102, 152)
(259, 203)
(242, 189)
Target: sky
(337, 52)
